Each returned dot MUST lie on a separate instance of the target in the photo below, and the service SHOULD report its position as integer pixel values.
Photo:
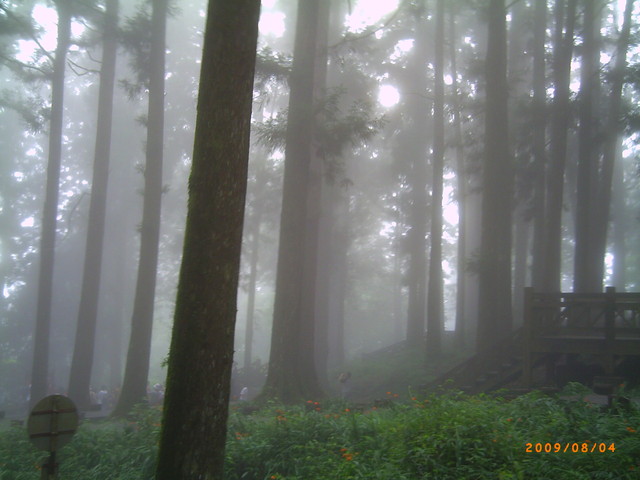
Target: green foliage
(449, 436)
(122, 450)
(335, 129)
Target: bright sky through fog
(369, 12)
(388, 96)
(47, 19)
(272, 23)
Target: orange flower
(632, 430)
(347, 410)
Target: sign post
(51, 424)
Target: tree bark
(40, 367)
(81, 365)
(134, 387)
(193, 435)
(495, 317)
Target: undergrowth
(446, 436)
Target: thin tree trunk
(461, 196)
(539, 144)
(82, 363)
(40, 367)
(134, 387)
(611, 142)
(555, 174)
(192, 441)
(251, 300)
(521, 254)
(435, 321)
(620, 226)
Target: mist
(428, 183)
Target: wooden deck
(605, 325)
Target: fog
(386, 252)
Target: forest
(317, 239)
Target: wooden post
(527, 330)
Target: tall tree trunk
(555, 174)
(519, 42)
(40, 367)
(611, 142)
(196, 408)
(251, 297)
(435, 320)
(539, 146)
(284, 379)
(418, 108)
(82, 363)
(134, 387)
(495, 319)
(461, 197)
(309, 374)
(588, 155)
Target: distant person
(158, 390)
(345, 386)
(244, 394)
(102, 397)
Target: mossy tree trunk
(197, 395)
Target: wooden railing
(606, 324)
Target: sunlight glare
(272, 23)
(369, 12)
(47, 18)
(388, 96)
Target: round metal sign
(52, 422)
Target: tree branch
(27, 29)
